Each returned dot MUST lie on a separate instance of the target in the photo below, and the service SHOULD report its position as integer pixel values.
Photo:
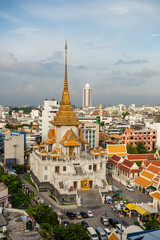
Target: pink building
(3, 195)
(149, 137)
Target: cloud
(138, 61)
(30, 87)
(81, 67)
(103, 46)
(120, 9)
(8, 63)
(155, 35)
(25, 31)
(10, 17)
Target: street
(105, 210)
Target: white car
(130, 188)
(108, 231)
(89, 213)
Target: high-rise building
(48, 112)
(87, 96)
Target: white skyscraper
(48, 112)
(87, 96)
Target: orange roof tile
(156, 195)
(36, 146)
(68, 144)
(142, 182)
(117, 148)
(147, 175)
(153, 168)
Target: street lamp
(121, 206)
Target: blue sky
(112, 45)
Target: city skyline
(113, 46)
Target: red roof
(154, 162)
(112, 162)
(140, 156)
(115, 158)
(128, 169)
(128, 163)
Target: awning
(148, 208)
(131, 206)
(141, 211)
(152, 188)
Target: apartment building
(149, 137)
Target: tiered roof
(119, 150)
(69, 139)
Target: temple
(62, 163)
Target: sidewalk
(63, 207)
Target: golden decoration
(65, 116)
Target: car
(113, 222)
(89, 213)
(70, 215)
(125, 224)
(101, 234)
(108, 231)
(104, 221)
(78, 215)
(84, 214)
(115, 230)
(118, 228)
(84, 224)
(92, 233)
(130, 188)
(66, 223)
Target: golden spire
(65, 116)
(65, 94)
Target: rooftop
(2, 186)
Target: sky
(112, 45)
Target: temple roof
(65, 116)
(69, 139)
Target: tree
(20, 168)
(131, 149)
(71, 232)
(151, 224)
(125, 114)
(141, 147)
(14, 185)
(43, 214)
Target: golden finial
(66, 45)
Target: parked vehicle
(89, 213)
(101, 233)
(108, 231)
(130, 188)
(84, 214)
(70, 215)
(118, 228)
(104, 221)
(66, 223)
(78, 215)
(113, 222)
(92, 233)
(115, 230)
(118, 193)
(84, 224)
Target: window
(64, 168)
(45, 168)
(57, 169)
(148, 142)
(45, 177)
(90, 167)
(43, 158)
